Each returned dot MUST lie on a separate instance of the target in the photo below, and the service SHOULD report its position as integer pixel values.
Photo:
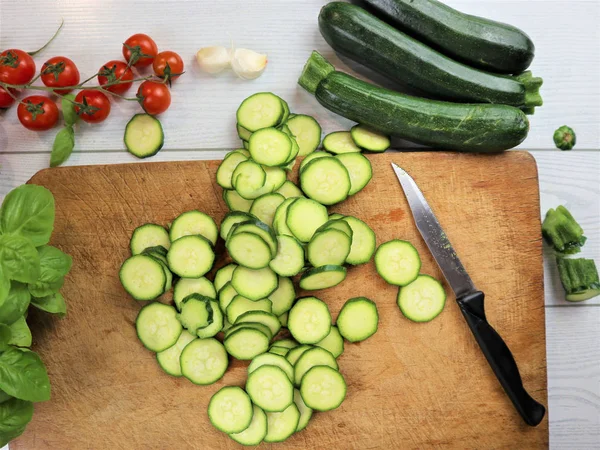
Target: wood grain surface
(409, 386)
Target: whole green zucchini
(477, 41)
(354, 32)
(453, 126)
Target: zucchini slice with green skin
(280, 218)
(322, 277)
(359, 168)
(157, 326)
(309, 158)
(281, 425)
(196, 312)
(248, 178)
(370, 140)
(204, 361)
(191, 256)
(148, 235)
(285, 343)
(323, 388)
(398, 262)
(313, 357)
(256, 431)
(286, 112)
(235, 202)
(309, 320)
(289, 190)
(422, 300)
(305, 411)
(243, 133)
(307, 131)
(325, 180)
(227, 168)
(283, 297)
(169, 359)
(249, 250)
(267, 319)
(192, 223)
(143, 277)
(232, 218)
(261, 110)
(246, 343)
(230, 410)
(442, 125)
(477, 41)
(295, 353)
(272, 360)
(223, 276)
(144, 136)
(337, 224)
(215, 326)
(226, 295)
(333, 342)
(254, 283)
(328, 247)
(363, 241)
(304, 216)
(283, 319)
(353, 32)
(264, 207)
(188, 286)
(254, 325)
(280, 351)
(289, 260)
(270, 147)
(358, 319)
(340, 142)
(240, 305)
(259, 228)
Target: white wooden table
(199, 124)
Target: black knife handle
(500, 358)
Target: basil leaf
(23, 375)
(16, 303)
(4, 396)
(54, 265)
(4, 287)
(15, 414)
(20, 333)
(64, 142)
(28, 211)
(68, 109)
(19, 258)
(54, 304)
(5, 335)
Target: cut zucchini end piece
(315, 70)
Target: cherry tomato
(139, 50)
(16, 67)
(154, 97)
(167, 64)
(115, 71)
(96, 106)
(37, 113)
(5, 98)
(60, 72)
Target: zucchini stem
(315, 70)
(532, 89)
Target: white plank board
(202, 113)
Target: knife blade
(470, 302)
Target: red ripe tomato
(16, 67)
(115, 71)
(37, 113)
(96, 105)
(139, 50)
(5, 98)
(60, 72)
(154, 97)
(168, 65)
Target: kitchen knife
(470, 301)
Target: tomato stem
(75, 87)
(62, 22)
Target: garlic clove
(248, 64)
(213, 59)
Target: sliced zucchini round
(240, 305)
(358, 319)
(309, 158)
(272, 360)
(204, 361)
(309, 320)
(248, 177)
(259, 111)
(268, 319)
(144, 136)
(422, 300)
(363, 241)
(256, 431)
(231, 219)
(148, 235)
(322, 277)
(289, 190)
(340, 142)
(246, 343)
(305, 411)
(215, 326)
(254, 283)
(235, 202)
(359, 168)
(169, 359)
(223, 276)
(289, 260)
(281, 425)
(264, 207)
(328, 247)
(315, 356)
(295, 353)
(369, 139)
(270, 147)
(194, 223)
(325, 180)
(249, 250)
(230, 410)
(157, 326)
(323, 388)
(191, 256)
(226, 295)
(187, 286)
(227, 167)
(307, 131)
(304, 216)
(398, 262)
(283, 297)
(333, 342)
(256, 325)
(143, 277)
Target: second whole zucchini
(356, 33)
(453, 126)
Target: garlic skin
(213, 59)
(248, 64)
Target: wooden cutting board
(410, 386)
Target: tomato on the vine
(58, 72)
(95, 105)
(139, 50)
(5, 98)
(37, 113)
(16, 67)
(115, 71)
(168, 65)
(154, 97)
